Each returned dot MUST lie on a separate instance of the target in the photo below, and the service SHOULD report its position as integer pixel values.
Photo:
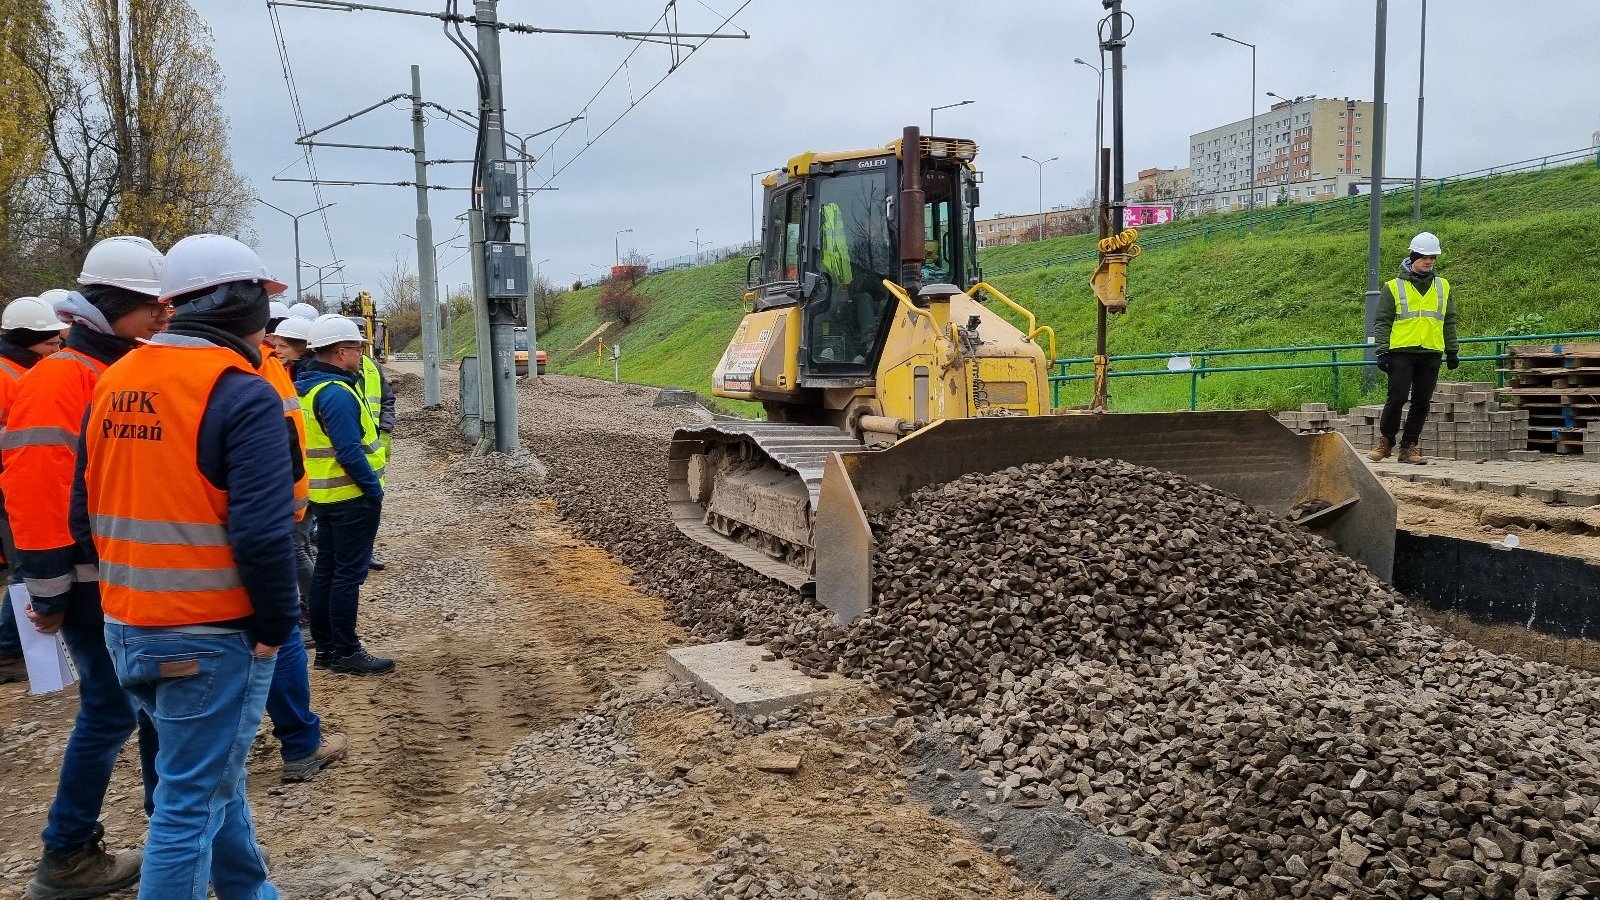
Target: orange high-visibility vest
(10, 378)
(277, 375)
(160, 527)
(38, 454)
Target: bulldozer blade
(1317, 479)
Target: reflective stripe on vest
(372, 387)
(1419, 319)
(165, 559)
(39, 436)
(329, 481)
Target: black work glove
(1452, 362)
(1383, 362)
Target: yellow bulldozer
(884, 365)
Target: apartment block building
(1324, 142)
(1005, 229)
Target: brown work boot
(1381, 452)
(88, 871)
(1410, 454)
(332, 750)
(12, 669)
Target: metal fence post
(1194, 384)
(1334, 355)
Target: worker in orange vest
(117, 306)
(196, 567)
(29, 331)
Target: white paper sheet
(49, 667)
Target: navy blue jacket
(339, 413)
(243, 451)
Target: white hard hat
(31, 313)
(1426, 244)
(279, 310)
(202, 261)
(330, 330)
(132, 263)
(304, 311)
(55, 296)
(294, 327)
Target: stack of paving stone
(1464, 422)
(1312, 418)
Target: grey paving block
(734, 674)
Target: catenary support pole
(427, 273)
(1422, 70)
(502, 314)
(1375, 221)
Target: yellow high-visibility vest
(1419, 318)
(330, 483)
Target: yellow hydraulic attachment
(1110, 278)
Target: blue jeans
(345, 532)
(106, 717)
(297, 728)
(206, 693)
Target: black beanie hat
(114, 302)
(240, 308)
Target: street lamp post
(934, 109)
(334, 268)
(616, 246)
(296, 220)
(1040, 163)
(753, 213)
(1252, 120)
(697, 246)
(1099, 125)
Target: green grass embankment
(1521, 251)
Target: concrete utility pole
(1422, 69)
(296, 219)
(427, 275)
(502, 314)
(1375, 223)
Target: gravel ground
(1236, 702)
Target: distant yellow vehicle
(883, 363)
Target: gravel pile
(1228, 690)
(1194, 675)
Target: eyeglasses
(159, 309)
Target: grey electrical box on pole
(502, 311)
(427, 278)
(508, 270)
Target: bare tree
(400, 299)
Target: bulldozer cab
(832, 236)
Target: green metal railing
(1197, 364)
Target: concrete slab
(734, 674)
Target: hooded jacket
(39, 453)
(1384, 323)
(339, 413)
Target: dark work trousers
(1412, 376)
(345, 533)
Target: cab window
(857, 254)
(782, 253)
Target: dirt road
(530, 743)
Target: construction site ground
(530, 743)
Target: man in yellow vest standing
(345, 462)
(1415, 331)
(379, 396)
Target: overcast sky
(1507, 80)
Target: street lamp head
(1220, 35)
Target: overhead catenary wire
(633, 104)
(309, 156)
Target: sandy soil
(530, 743)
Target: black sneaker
(361, 663)
(323, 659)
(376, 565)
